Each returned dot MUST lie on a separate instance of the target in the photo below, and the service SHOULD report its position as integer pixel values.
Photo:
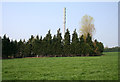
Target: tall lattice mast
(64, 20)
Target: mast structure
(64, 21)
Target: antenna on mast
(64, 21)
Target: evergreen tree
(31, 45)
(98, 47)
(81, 47)
(59, 43)
(81, 39)
(54, 44)
(37, 46)
(47, 44)
(20, 49)
(44, 46)
(52, 47)
(75, 43)
(101, 47)
(6, 50)
(27, 50)
(86, 49)
(40, 51)
(67, 43)
(12, 47)
(15, 50)
(90, 43)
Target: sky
(20, 20)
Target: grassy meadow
(62, 68)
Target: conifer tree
(75, 43)
(59, 43)
(52, 47)
(6, 47)
(31, 45)
(90, 43)
(27, 50)
(98, 47)
(12, 48)
(67, 43)
(101, 47)
(37, 46)
(54, 44)
(47, 44)
(21, 48)
(40, 45)
(15, 48)
(81, 47)
(86, 49)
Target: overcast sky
(21, 20)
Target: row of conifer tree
(50, 46)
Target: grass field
(62, 68)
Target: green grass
(62, 68)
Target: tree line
(113, 49)
(49, 46)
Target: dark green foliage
(67, 43)
(54, 44)
(101, 47)
(15, 50)
(37, 48)
(75, 43)
(6, 50)
(90, 43)
(57, 45)
(81, 47)
(98, 47)
(81, 39)
(31, 46)
(113, 49)
(86, 49)
(58, 42)
(48, 46)
(27, 49)
(13, 46)
(21, 47)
